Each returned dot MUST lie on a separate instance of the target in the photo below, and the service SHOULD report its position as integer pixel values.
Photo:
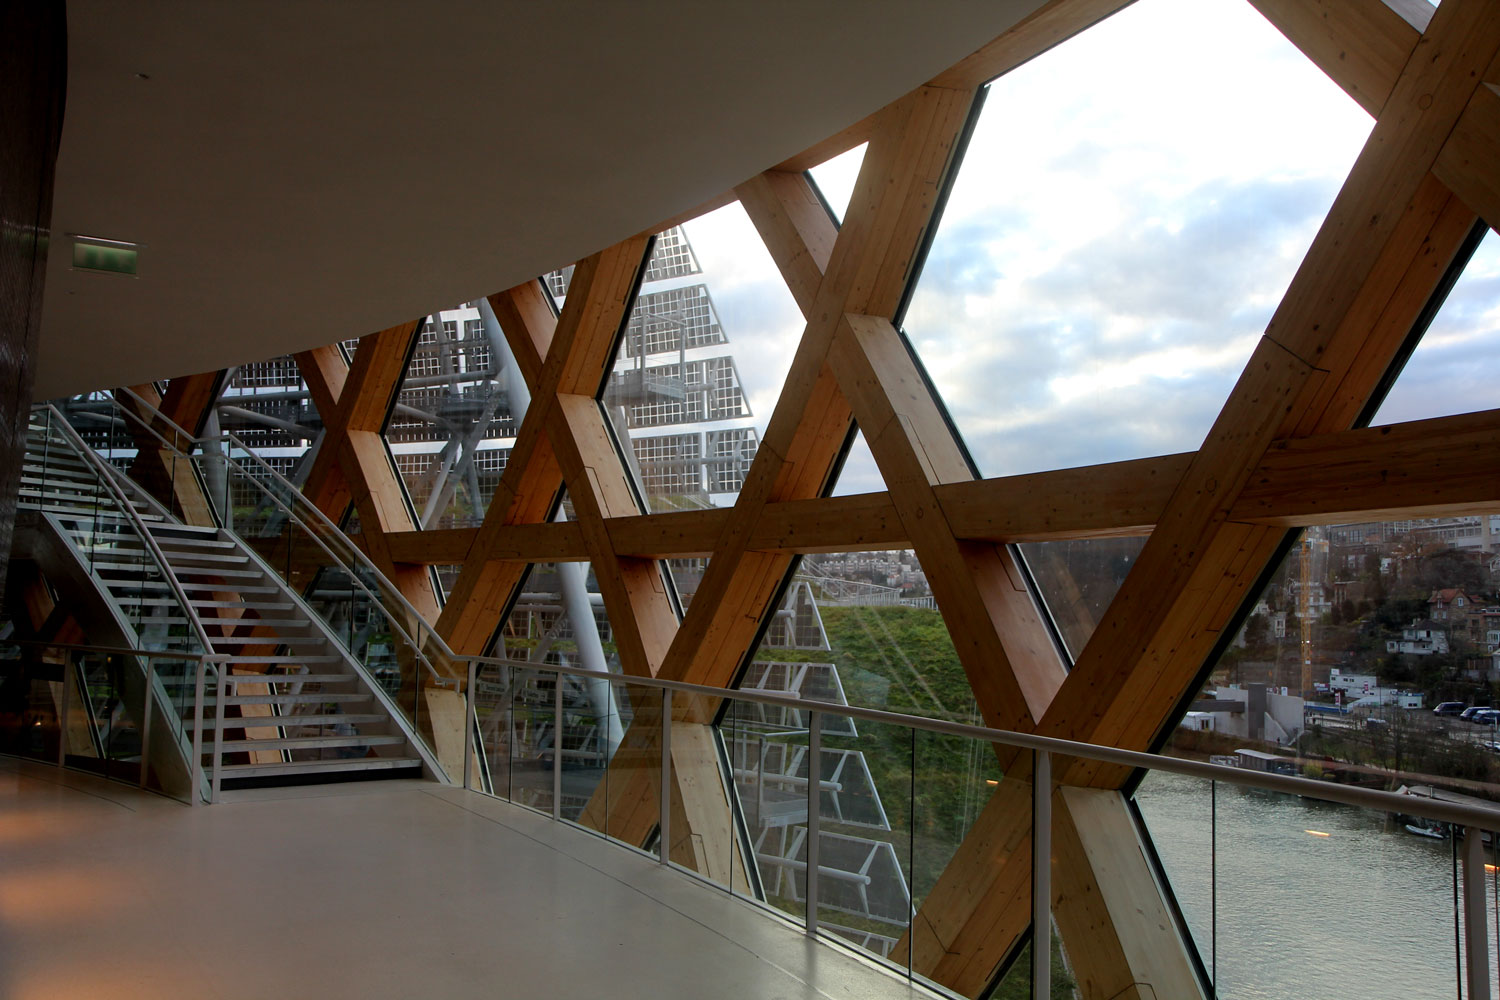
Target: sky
(1130, 210)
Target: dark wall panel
(33, 82)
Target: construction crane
(1311, 538)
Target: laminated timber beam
(866, 271)
(1440, 467)
(352, 464)
(566, 355)
(186, 404)
(1007, 652)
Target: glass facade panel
(701, 361)
(558, 619)
(835, 179)
(1456, 366)
(1117, 238)
(452, 428)
(1077, 579)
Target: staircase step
(185, 530)
(318, 766)
(214, 620)
(283, 659)
(291, 722)
(295, 699)
(309, 743)
(302, 678)
(185, 560)
(239, 574)
(275, 639)
(173, 544)
(247, 605)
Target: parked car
(1468, 713)
(1449, 708)
(1486, 717)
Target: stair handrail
(106, 472)
(355, 553)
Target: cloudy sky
(1131, 209)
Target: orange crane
(1304, 618)
(1310, 538)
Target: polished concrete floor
(382, 889)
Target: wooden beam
(641, 615)
(1439, 467)
(1467, 162)
(795, 228)
(891, 208)
(1362, 45)
(576, 352)
(1006, 649)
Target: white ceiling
(302, 172)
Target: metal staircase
(287, 701)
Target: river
(1315, 901)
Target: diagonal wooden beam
(866, 273)
(578, 353)
(641, 616)
(1006, 649)
(1363, 45)
(1467, 162)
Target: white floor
(374, 890)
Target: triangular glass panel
(701, 362)
(859, 473)
(857, 628)
(1448, 373)
(453, 425)
(835, 179)
(1117, 238)
(1077, 579)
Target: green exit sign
(107, 256)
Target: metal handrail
(292, 489)
(79, 647)
(1368, 798)
(106, 473)
(354, 554)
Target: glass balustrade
(1249, 891)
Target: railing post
(469, 724)
(814, 806)
(224, 687)
(197, 769)
(1041, 876)
(146, 720)
(1476, 933)
(64, 707)
(557, 739)
(665, 821)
